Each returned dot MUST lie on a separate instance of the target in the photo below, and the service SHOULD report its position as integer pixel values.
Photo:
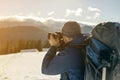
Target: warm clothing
(69, 62)
(71, 28)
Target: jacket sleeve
(55, 64)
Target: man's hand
(53, 41)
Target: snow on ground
(23, 66)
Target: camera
(59, 36)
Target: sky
(94, 11)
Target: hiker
(68, 62)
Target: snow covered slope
(23, 66)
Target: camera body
(59, 36)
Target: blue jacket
(69, 62)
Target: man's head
(70, 30)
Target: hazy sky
(82, 10)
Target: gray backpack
(109, 34)
(104, 51)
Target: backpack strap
(67, 76)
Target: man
(70, 61)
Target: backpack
(103, 51)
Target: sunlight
(12, 18)
(20, 18)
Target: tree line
(12, 46)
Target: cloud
(88, 17)
(97, 15)
(52, 18)
(20, 14)
(90, 13)
(39, 13)
(31, 14)
(94, 9)
(77, 12)
(51, 13)
(68, 12)
(94, 13)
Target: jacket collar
(78, 39)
